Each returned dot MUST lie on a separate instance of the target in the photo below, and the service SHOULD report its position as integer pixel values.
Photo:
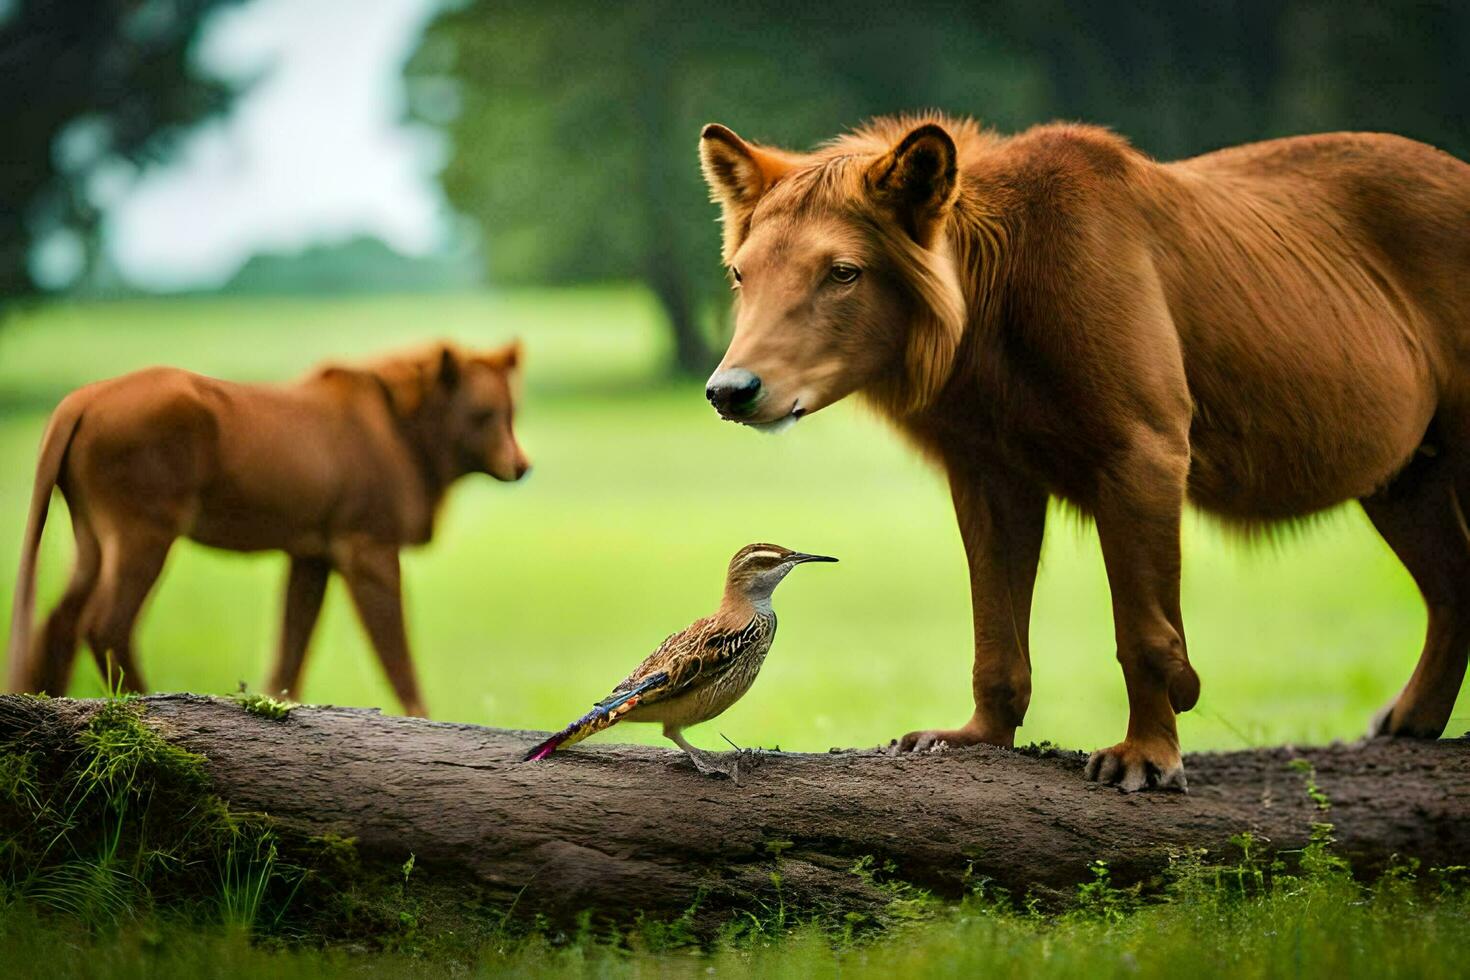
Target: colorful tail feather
(604, 715)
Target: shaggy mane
(833, 179)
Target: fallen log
(620, 829)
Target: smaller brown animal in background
(339, 470)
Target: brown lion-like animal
(339, 470)
(1266, 331)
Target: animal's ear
(510, 355)
(504, 358)
(739, 174)
(918, 180)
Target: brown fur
(1267, 331)
(339, 470)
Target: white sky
(315, 151)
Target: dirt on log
(621, 830)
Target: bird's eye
(735, 274)
(844, 273)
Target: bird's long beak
(801, 557)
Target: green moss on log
(108, 823)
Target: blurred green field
(535, 598)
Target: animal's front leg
(1138, 511)
(1002, 519)
(372, 576)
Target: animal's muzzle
(734, 392)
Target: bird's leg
(703, 761)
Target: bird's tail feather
(606, 714)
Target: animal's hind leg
(56, 646)
(306, 586)
(374, 582)
(131, 563)
(1420, 517)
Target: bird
(700, 671)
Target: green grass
(1321, 924)
(535, 598)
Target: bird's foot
(751, 757)
(707, 764)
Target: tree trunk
(15, 278)
(670, 262)
(692, 354)
(621, 829)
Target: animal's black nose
(733, 392)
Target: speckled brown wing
(697, 656)
(657, 660)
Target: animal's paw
(1133, 765)
(935, 740)
(1396, 721)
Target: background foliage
(93, 88)
(573, 123)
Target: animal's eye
(844, 273)
(735, 274)
(483, 416)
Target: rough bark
(620, 829)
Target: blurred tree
(1358, 64)
(1180, 79)
(92, 88)
(361, 264)
(573, 123)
